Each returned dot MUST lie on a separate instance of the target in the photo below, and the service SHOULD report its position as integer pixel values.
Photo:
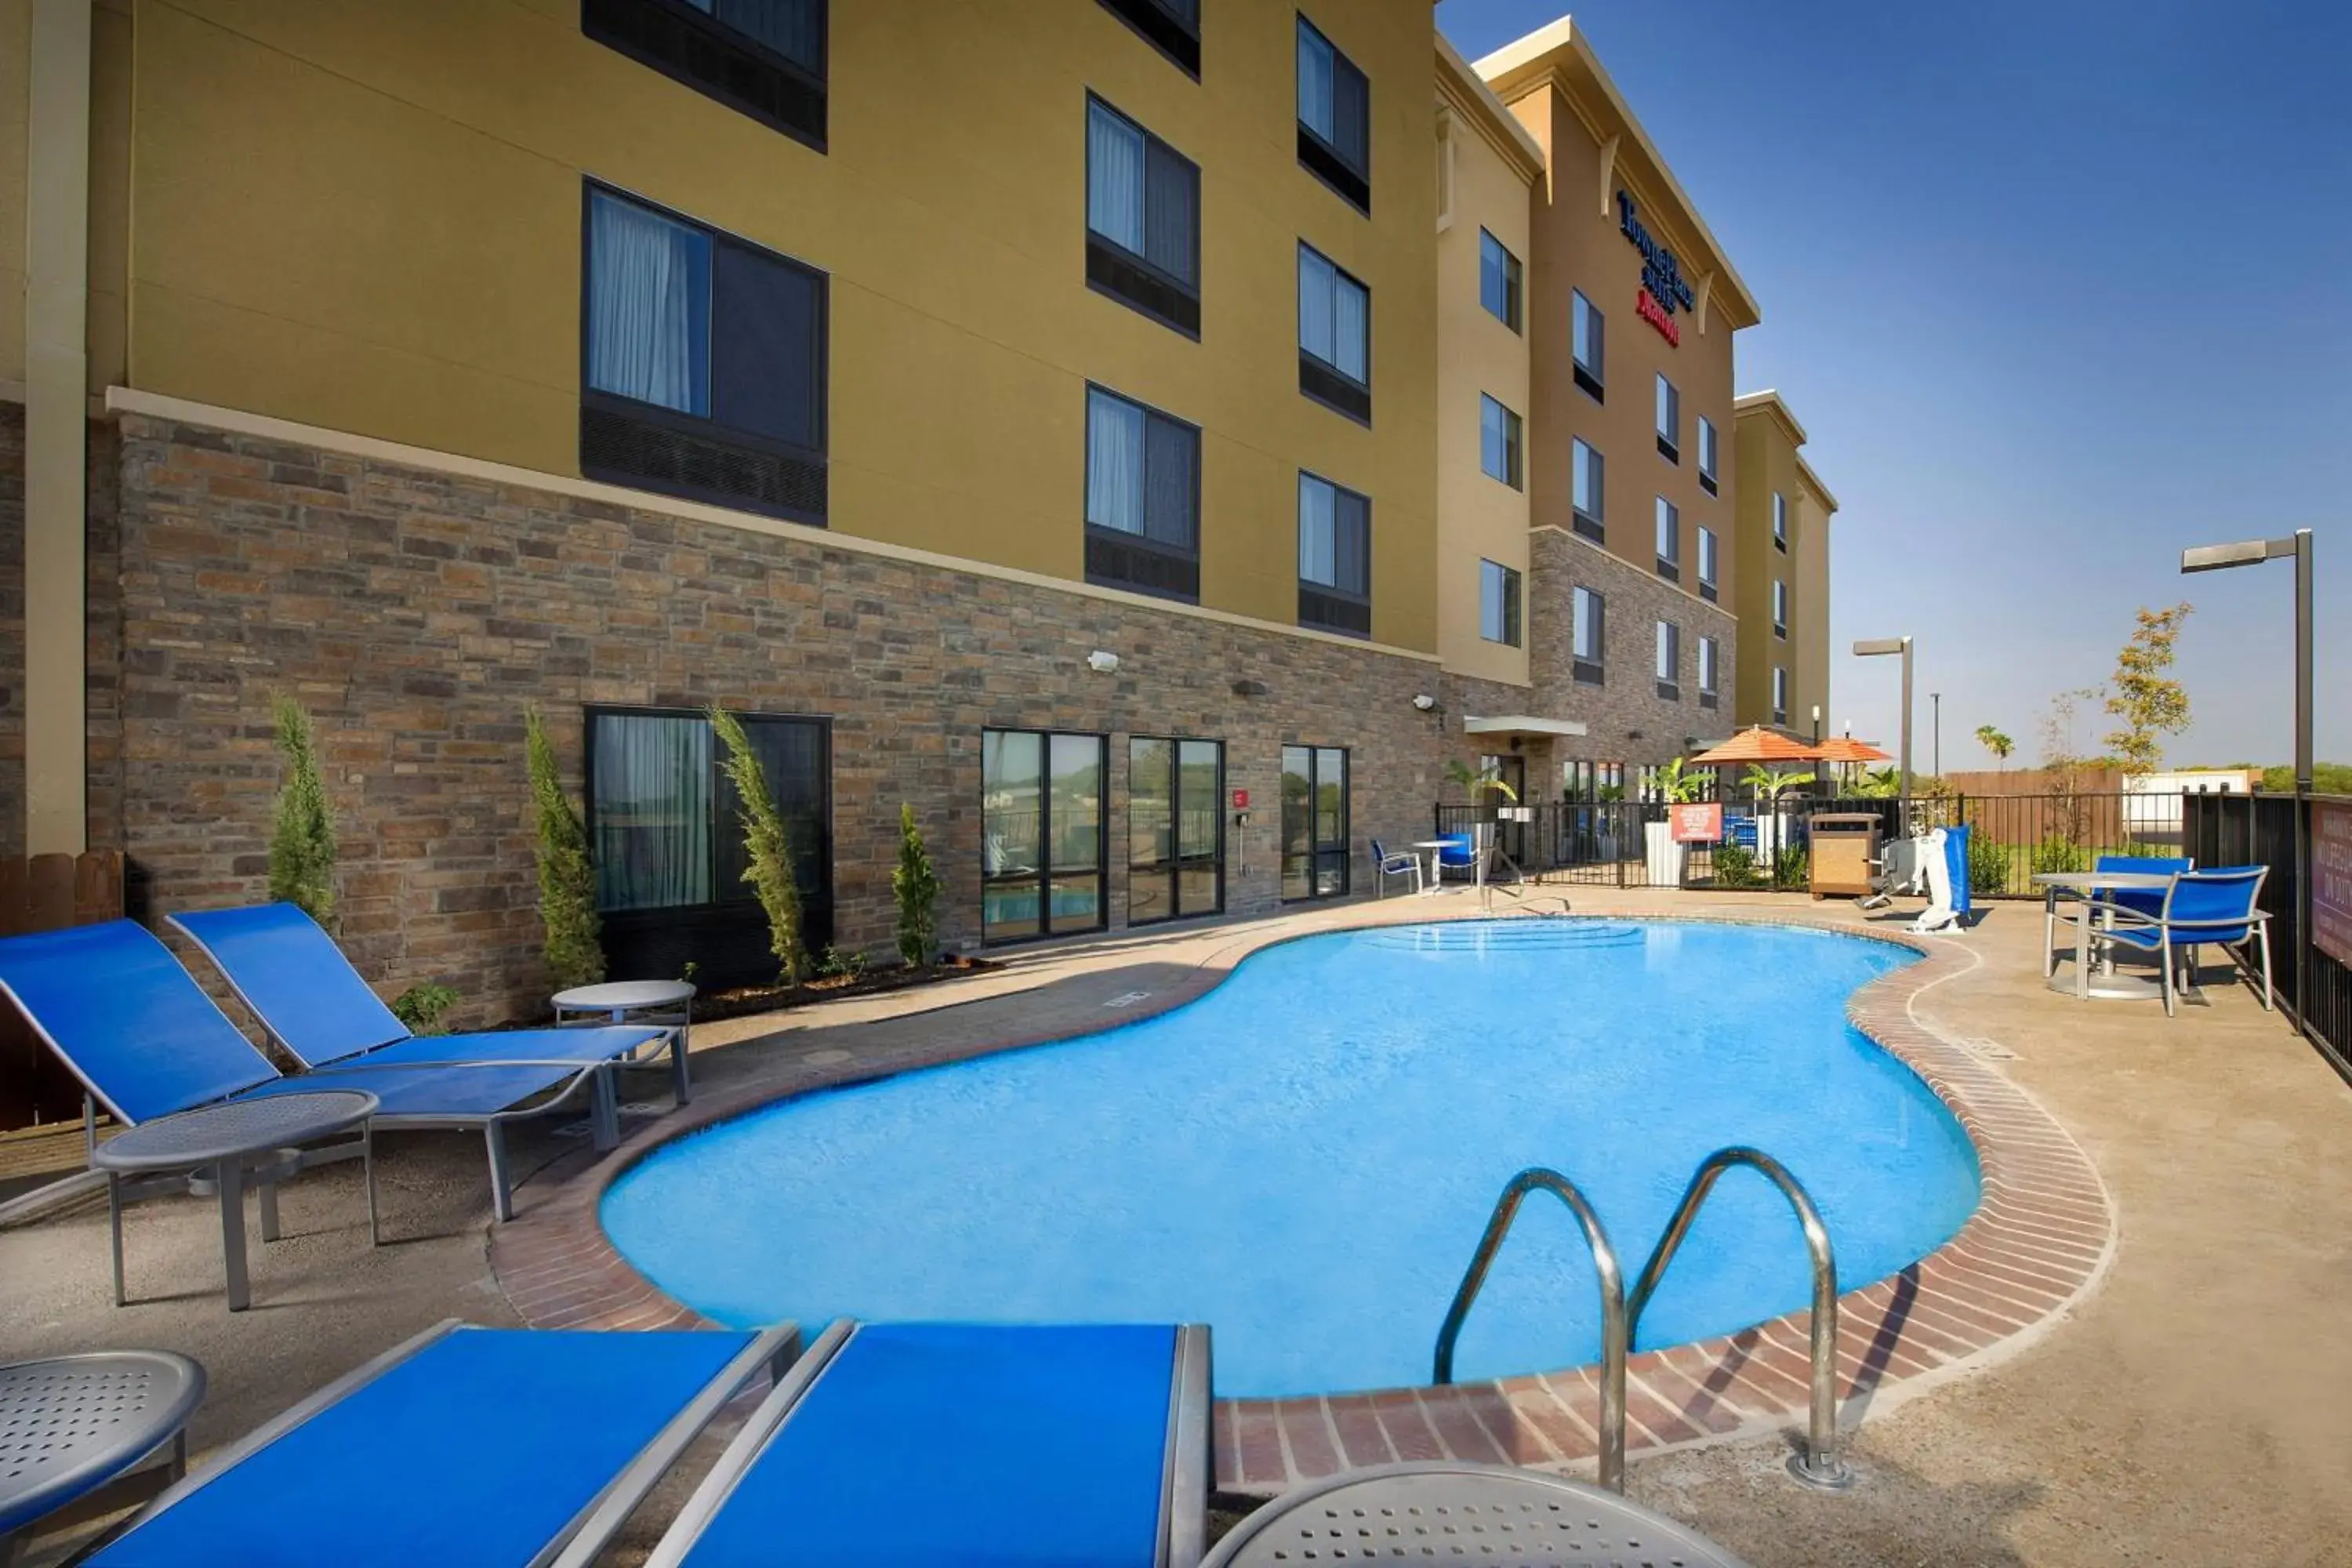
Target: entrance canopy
(1520, 724)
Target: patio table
(2107, 985)
(256, 1139)
(70, 1424)
(1438, 1508)
(659, 1003)
(1435, 847)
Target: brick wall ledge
(121, 400)
(2040, 1240)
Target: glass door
(1315, 857)
(1041, 834)
(1175, 827)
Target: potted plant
(1477, 782)
(1677, 783)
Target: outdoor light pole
(1936, 706)
(1903, 646)
(2253, 552)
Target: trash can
(1846, 849)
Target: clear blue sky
(2056, 289)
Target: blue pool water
(1304, 1158)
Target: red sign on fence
(1698, 824)
(2331, 880)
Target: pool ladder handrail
(1818, 1465)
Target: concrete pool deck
(2188, 1408)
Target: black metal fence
(2261, 830)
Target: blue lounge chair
(924, 1443)
(317, 1007)
(465, 1448)
(145, 1041)
(1404, 863)
(2216, 907)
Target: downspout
(57, 403)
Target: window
(1587, 492)
(1143, 231)
(703, 363)
(1780, 694)
(1669, 421)
(1591, 635)
(1780, 521)
(1670, 541)
(1171, 27)
(1707, 472)
(1335, 557)
(1779, 608)
(1592, 781)
(669, 859)
(1175, 828)
(1335, 120)
(1335, 336)
(1498, 280)
(1670, 661)
(1498, 441)
(1498, 603)
(1314, 822)
(1143, 499)
(765, 58)
(1041, 814)
(1707, 675)
(1587, 343)
(1706, 578)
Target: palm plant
(1678, 782)
(1475, 780)
(1769, 784)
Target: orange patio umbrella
(1757, 744)
(1847, 749)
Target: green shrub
(836, 965)
(767, 848)
(1792, 868)
(1988, 866)
(302, 837)
(918, 889)
(574, 946)
(422, 1005)
(2059, 853)
(1735, 867)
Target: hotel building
(1086, 421)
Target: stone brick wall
(416, 613)
(12, 629)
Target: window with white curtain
(1707, 470)
(1498, 280)
(1335, 336)
(1143, 200)
(1334, 118)
(1780, 520)
(1707, 655)
(1143, 475)
(1587, 341)
(1498, 603)
(662, 817)
(1590, 634)
(1586, 491)
(1779, 608)
(1706, 578)
(703, 363)
(1670, 655)
(1669, 421)
(1334, 556)
(1780, 694)
(1670, 539)
(1498, 441)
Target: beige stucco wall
(1808, 633)
(368, 218)
(16, 86)
(1479, 517)
(1767, 465)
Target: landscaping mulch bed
(740, 1000)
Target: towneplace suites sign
(1663, 289)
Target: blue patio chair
(2216, 907)
(145, 1041)
(465, 1448)
(843, 1463)
(2148, 903)
(2136, 906)
(319, 1009)
(1460, 853)
(1403, 864)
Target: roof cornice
(1821, 492)
(1476, 102)
(1768, 404)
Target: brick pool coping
(2039, 1241)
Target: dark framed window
(1779, 522)
(1706, 455)
(1498, 603)
(1779, 608)
(663, 827)
(1143, 499)
(1707, 577)
(765, 58)
(1498, 280)
(1707, 672)
(1315, 855)
(1335, 557)
(1670, 541)
(1588, 341)
(1670, 661)
(1498, 441)
(1670, 422)
(1589, 637)
(1042, 830)
(1335, 119)
(702, 362)
(1171, 27)
(1335, 336)
(1143, 220)
(1589, 491)
(1175, 828)
(1780, 694)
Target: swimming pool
(1304, 1157)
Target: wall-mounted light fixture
(1101, 662)
(1425, 703)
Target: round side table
(72, 1423)
(656, 1004)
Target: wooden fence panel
(47, 892)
